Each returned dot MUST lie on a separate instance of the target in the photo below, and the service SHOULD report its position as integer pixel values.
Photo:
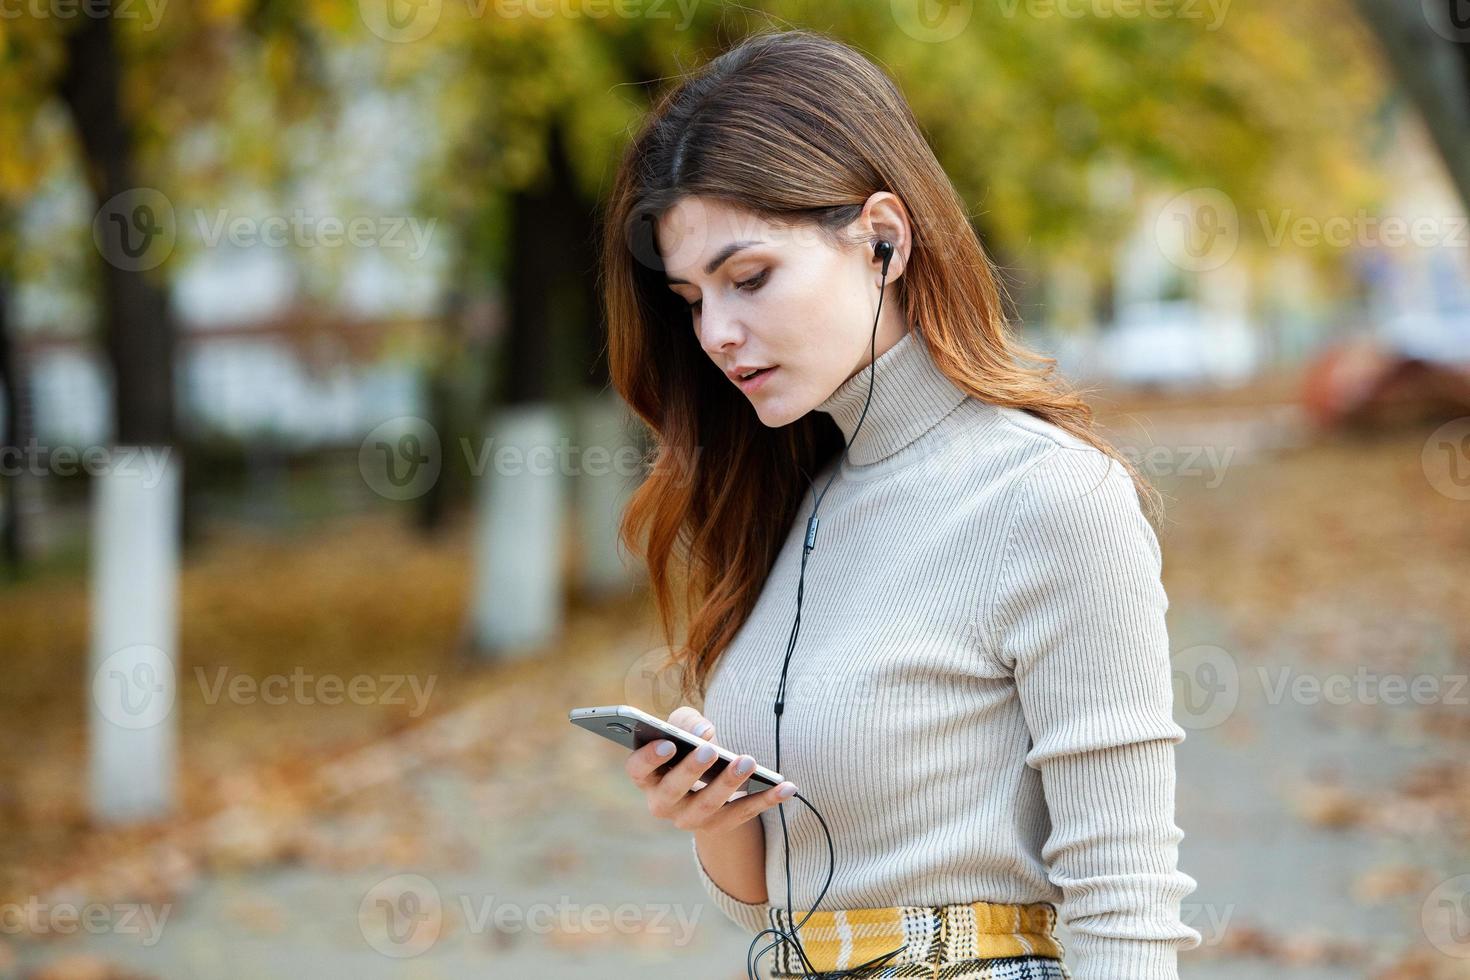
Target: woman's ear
(885, 219)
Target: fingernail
(745, 765)
(787, 791)
(665, 748)
(705, 753)
(702, 729)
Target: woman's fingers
(691, 720)
(642, 762)
(733, 813)
(681, 795)
(678, 781)
(696, 809)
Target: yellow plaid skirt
(972, 941)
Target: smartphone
(633, 729)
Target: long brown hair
(794, 127)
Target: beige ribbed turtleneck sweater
(979, 702)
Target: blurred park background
(311, 469)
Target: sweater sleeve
(751, 918)
(1078, 616)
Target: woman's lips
(756, 380)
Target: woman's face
(782, 298)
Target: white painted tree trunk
(133, 729)
(606, 475)
(518, 599)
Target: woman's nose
(717, 332)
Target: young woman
(978, 708)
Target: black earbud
(884, 250)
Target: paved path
(580, 845)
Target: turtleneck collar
(910, 395)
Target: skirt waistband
(937, 935)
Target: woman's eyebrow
(718, 260)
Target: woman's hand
(715, 807)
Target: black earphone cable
(884, 250)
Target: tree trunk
(138, 337)
(519, 591)
(135, 526)
(15, 381)
(439, 383)
(1434, 70)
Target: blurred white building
(1196, 301)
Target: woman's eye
(753, 283)
(749, 285)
